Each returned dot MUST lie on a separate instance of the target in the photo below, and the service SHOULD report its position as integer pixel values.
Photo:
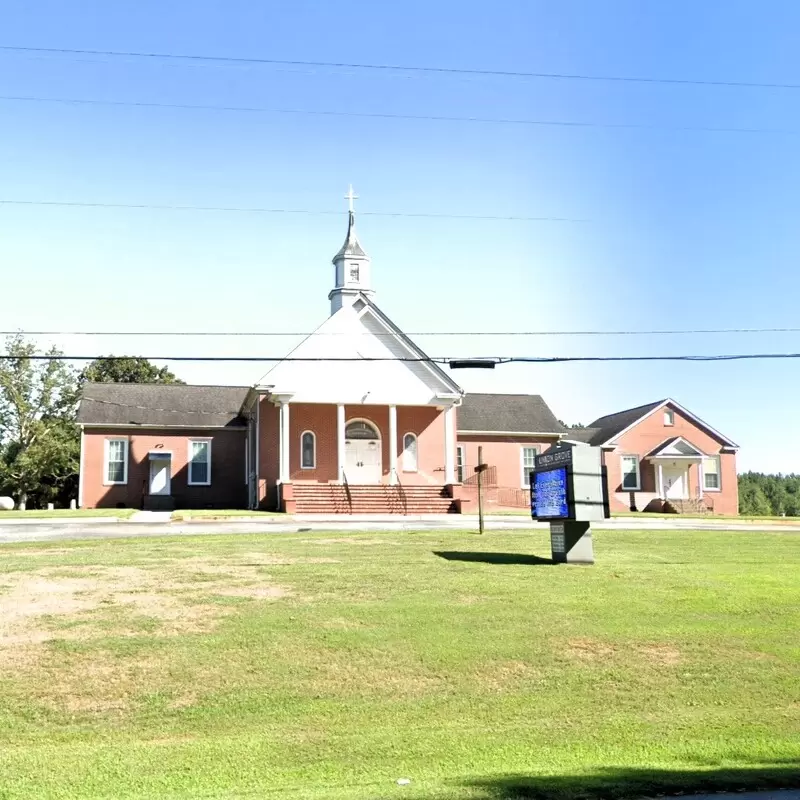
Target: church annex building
(392, 435)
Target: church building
(355, 419)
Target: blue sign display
(549, 494)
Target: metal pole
(479, 469)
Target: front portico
(356, 410)
(676, 461)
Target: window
(200, 462)
(116, 458)
(460, 463)
(354, 272)
(630, 472)
(409, 453)
(669, 416)
(528, 463)
(308, 450)
(711, 471)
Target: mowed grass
(329, 666)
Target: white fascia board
(507, 433)
(669, 401)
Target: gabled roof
(675, 447)
(507, 413)
(612, 426)
(162, 405)
(358, 355)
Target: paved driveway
(60, 530)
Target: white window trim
(190, 482)
(671, 413)
(406, 467)
(106, 442)
(718, 488)
(462, 451)
(523, 470)
(638, 487)
(313, 452)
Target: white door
(362, 451)
(160, 476)
(675, 483)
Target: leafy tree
(773, 495)
(39, 441)
(131, 369)
(576, 425)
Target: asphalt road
(50, 531)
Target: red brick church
(386, 431)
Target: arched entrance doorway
(362, 452)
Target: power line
(392, 116)
(425, 359)
(657, 332)
(246, 210)
(564, 76)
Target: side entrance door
(160, 474)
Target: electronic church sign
(569, 490)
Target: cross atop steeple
(350, 197)
(352, 264)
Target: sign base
(571, 542)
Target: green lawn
(328, 666)
(120, 513)
(226, 513)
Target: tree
(753, 501)
(571, 427)
(130, 369)
(39, 441)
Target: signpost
(569, 490)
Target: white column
(660, 487)
(340, 451)
(700, 478)
(285, 471)
(449, 447)
(393, 444)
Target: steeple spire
(352, 264)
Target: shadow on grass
(494, 558)
(615, 783)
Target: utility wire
(425, 359)
(416, 117)
(564, 76)
(661, 332)
(245, 210)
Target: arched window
(308, 450)
(361, 429)
(410, 453)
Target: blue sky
(675, 228)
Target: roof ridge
(178, 385)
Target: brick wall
(228, 487)
(502, 453)
(644, 438)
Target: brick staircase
(334, 498)
(694, 505)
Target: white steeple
(352, 265)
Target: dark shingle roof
(612, 424)
(503, 413)
(161, 405)
(587, 435)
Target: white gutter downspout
(80, 474)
